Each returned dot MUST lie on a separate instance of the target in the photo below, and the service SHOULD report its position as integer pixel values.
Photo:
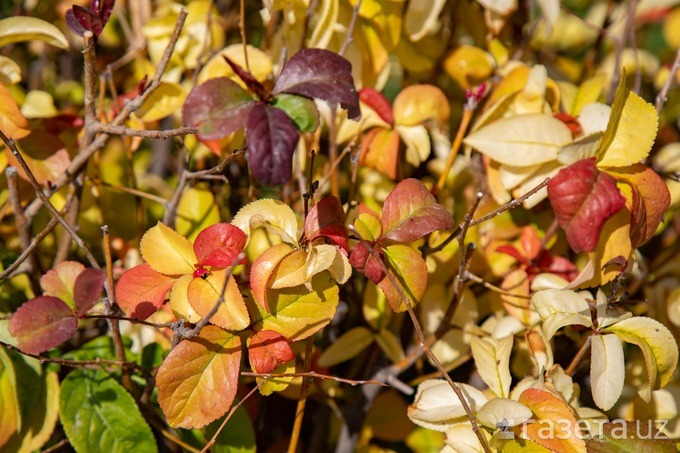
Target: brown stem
(661, 98)
(578, 358)
(313, 375)
(302, 402)
(514, 203)
(112, 129)
(350, 29)
(242, 27)
(138, 193)
(455, 146)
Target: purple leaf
(87, 289)
(251, 82)
(320, 74)
(105, 9)
(217, 107)
(42, 323)
(272, 138)
(88, 20)
(73, 23)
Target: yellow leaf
(607, 370)
(167, 251)
(326, 257)
(500, 7)
(196, 210)
(38, 104)
(274, 215)
(671, 25)
(348, 346)
(10, 72)
(24, 28)
(290, 271)
(390, 345)
(421, 18)
(408, 271)
(179, 300)
(259, 63)
(324, 29)
(368, 226)
(203, 294)
(167, 99)
(12, 122)
(631, 131)
(492, 359)
(418, 103)
(385, 16)
(263, 268)
(558, 308)
(503, 411)
(417, 143)
(521, 140)
(10, 418)
(280, 383)
(588, 93)
(350, 130)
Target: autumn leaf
(141, 291)
(348, 346)
(267, 350)
(327, 219)
(219, 245)
(262, 270)
(42, 323)
(197, 381)
(583, 198)
(167, 252)
(607, 370)
(407, 276)
(204, 293)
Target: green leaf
(639, 436)
(237, 436)
(407, 270)
(99, 415)
(301, 110)
(348, 346)
(23, 28)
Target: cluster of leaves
(505, 207)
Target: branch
(314, 375)
(112, 129)
(514, 203)
(350, 29)
(661, 98)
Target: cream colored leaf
(326, 257)
(348, 346)
(607, 316)
(417, 143)
(10, 72)
(503, 411)
(548, 281)
(511, 176)
(461, 438)
(583, 148)
(550, 10)
(558, 308)
(167, 251)
(607, 370)
(421, 18)
(521, 140)
(492, 359)
(38, 104)
(24, 28)
(437, 407)
(274, 215)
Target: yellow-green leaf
(390, 345)
(10, 72)
(10, 418)
(179, 300)
(196, 210)
(492, 359)
(197, 381)
(631, 131)
(368, 226)
(607, 370)
(274, 215)
(408, 272)
(204, 293)
(167, 251)
(165, 100)
(24, 28)
(558, 308)
(348, 346)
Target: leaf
(417, 143)
(290, 272)
(258, 61)
(326, 257)
(555, 413)
(469, 66)
(60, 281)
(24, 28)
(421, 18)
(378, 103)
(320, 74)
(409, 271)
(197, 209)
(42, 323)
(631, 130)
(411, 211)
(166, 251)
(297, 313)
(197, 380)
(416, 104)
(558, 308)
(12, 121)
(253, 85)
(348, 346)
(301, 110)
(437, 407)
(141, 291)
(658, 347)
(380, 150)
(368, 226)
(327, 219)
(10, 417)
(390, 345)
(219, 245)
(267, 350)
(88, 20)
(272, 137)
(218, 107)
(503, 411)
(98, 414)
(629, 436)
(492, 359)
(238, 434)
(203, 294)
(163, 101)
(583, 198)
(369, 263)
(179, 300)
(607, 370)
(87, 289)
(274, 215)
(650, 200)
(521, 140)
(10, 72)
(262, 270)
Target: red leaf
(379, 103)
(267, 350)
(217, 107)
(74, 24)
(42, 323)
(141, 291)
(88, 20)
(320, 74)
(410, 212)
(327, 219)
(512, 251)
(366, 263)
(583, 198)
(105, 8)
(87, 289)
(272, 137)
(219, 245)
(251, 82)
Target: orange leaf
(197, 381)
(262, 270)
(380, 150)
(408, 270)
(267, 350)
(203, 294)
(12, 122)
(141, 291)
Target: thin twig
(313, 375)
(350, 29)
(663, 94)
(157, 325)
(302, 402)
(242, 26)
(112, 129)
(514, 203)
(138, 193)
(578, 358)
(620, 44)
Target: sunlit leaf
(503, 411)
(163, 101)
(417, 142)
(421, 18)
(326, 257)
(44, 153)
(416, 104)
(411, 211)
(197, 380)
(259, 63)
(97, 413)
(469, 66)
(217, 107)
(658, 347)
(141, 291)
(59, 282)
(583, 198)
(629, 436)
(348, 346)
(166, 251)
(42, 323)
(492, 359)
(559, 308)
(274, 215)
(273, 384)
(219, 245)
(368, 226)
(607, 370)
(205, 293)
(179, 300)
(196, 210)
(631, 131)
(320, 74)
(378, 103)
(290, 271)
(521, 140)
(437, 407)
(24, 28)
(380, 150)
(327, 219)
(10, 72)
(10, 417)
(267, 350)
(408, 272)
(262, 270)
